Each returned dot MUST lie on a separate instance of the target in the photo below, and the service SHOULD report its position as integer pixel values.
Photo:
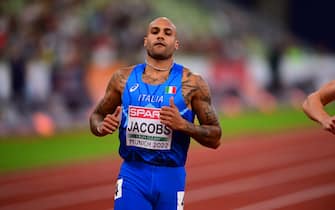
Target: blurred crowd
(56, 57)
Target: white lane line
(260, 181)
(57, 182)
(65, 199)
(75, 167)
(275, 159)
(195, 195)
(293, 198)
(214, 170)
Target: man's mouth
(159, 44)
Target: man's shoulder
(123, 71)
(126, 69)
(120, 77)
(188, 74)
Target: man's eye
(155, 31)
(168, 32)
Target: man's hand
(170, 116)
(110, 123)
(329, 124)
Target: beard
(159, 55)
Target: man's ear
(176, 45)
(145, 41)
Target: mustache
(159, 43)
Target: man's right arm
(314, 105)
(104, 118)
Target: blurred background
(260, 57)
(56, 56)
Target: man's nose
(160, 37)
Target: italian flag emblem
(171, 90)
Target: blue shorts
(149, 187)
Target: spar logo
(141, 112)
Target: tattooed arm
(208, 133)
(105, 118)
(197, 95)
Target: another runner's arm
(314, 104)
(208, 133)
(108, 104)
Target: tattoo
(202, 132)
(111, 99)
(197, 94)
(210, 115)
(119, 79)
(188, 92)
(114, 90)
(189, 87)
(147, 78)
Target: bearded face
(160, 50)
(161, 41)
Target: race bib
(145, 130)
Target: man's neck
(159, 65)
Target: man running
(153, 105)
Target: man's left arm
(208, 133)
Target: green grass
(28, 152)
(255, 122)
(18, 153)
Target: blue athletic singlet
(142, 136)
(152, 176)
